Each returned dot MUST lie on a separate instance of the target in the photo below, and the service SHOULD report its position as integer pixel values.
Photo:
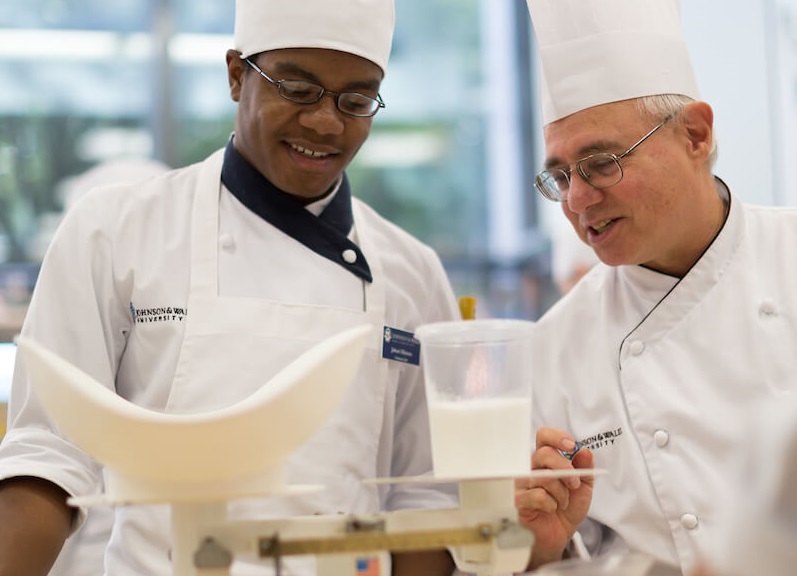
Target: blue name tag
(400, 346)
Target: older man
(652, 361)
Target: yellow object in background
(3, 417)
(467, 307)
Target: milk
(481, 437)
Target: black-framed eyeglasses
(303, 92)
(598, 170)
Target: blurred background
(451, 159)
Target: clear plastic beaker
(478, 386)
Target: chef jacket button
(661, 438)
(350, 256)
(767, 308)
(227, 242)
(637, 347)
(689, 521)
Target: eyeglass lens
(309, 93)
(303, 92)
(599, 170)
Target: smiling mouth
(309, 153)
(600, 227)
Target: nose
(323, 117)
(581, 194)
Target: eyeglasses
(598, 170)
(303, 92)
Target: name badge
(400, 346)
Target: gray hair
(662, 105)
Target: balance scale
(185, 461)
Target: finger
(554, 488)
(548, 457)
(535, 500)
(559, 488)
(552, 459)
(559, 439)
(583, 460)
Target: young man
(652, 361)
(257, 253)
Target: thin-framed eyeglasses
(303, 92)
(598, 170)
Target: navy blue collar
(326, 235)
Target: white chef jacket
(655, 375)
(83, 553)
(758, 531)
(112, 297)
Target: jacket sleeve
(73, 312)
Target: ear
(235, 72)
(698, 119)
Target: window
(148, 79)
(450, 159)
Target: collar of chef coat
(326, 234)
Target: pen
(571, 454)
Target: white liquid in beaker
(481, 438)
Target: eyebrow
(288, 69)
(592, 148)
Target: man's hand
(552, 508)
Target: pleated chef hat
(360, 27)
(594, 52)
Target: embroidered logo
(601, 440)
(160, 314)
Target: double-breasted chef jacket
(656, 375)
(180, 298)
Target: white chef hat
(594, 52)
(360, 27)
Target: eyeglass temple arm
(646, 136)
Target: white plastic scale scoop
(229, 453)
